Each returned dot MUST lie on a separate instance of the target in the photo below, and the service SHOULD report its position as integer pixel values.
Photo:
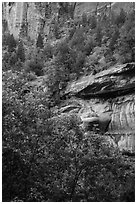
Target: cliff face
(23, 18)
(108, 103)
(27, 17)
(21, 15)
(101, 7)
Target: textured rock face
(19, 14)
(109, 83)
(101, 7)
(109, 103)
(13, 14)
(26, 14)
(123, 117)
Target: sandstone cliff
(108, 103)
(21, 14)
(27, 17)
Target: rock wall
(13, 14)
(26, 13)
(108, 103)
(99, 8)
(18, 14)
(33, 21)
(123, 117)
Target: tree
(39, 42)
(120, 19)
(113, 40)
(10, 42)
(78, 40)
(92, 22)
(126, 42)
(98, 35)
(35, 63)
(56, 29)
(21, 52)
(84, 19)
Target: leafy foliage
(49, 158)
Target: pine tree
(99, 35)
(114, 39)
(92, 22)
(84, 19)
(21, 52)
(120, 19)
(127, 38)
(39, 41)
(11, 42)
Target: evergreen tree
(39, 41)
(114, 39)
(21, 52)
(84, 19)
(56, 30)
(126, 41)
(120, 19)
(92, 22)
(98, 35)
(10, 42)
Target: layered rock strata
(108, 103)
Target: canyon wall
(108, 103)
(22, 15)
(26, 15)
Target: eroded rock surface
(108, 103)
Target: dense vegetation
(46, 156)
